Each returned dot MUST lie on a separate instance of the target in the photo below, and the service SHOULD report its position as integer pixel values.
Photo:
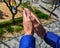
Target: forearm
(52, 39)
(27, 41)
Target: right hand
(39, 29)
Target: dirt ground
(4, 10)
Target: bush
(1, 32)
(17, 28)
(37, 11)
(24, 5)
(10, 22)
(9, 29)
(40, 14)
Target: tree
(12, 6)
(55, 4)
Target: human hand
(27, 24)
(39, 29)
(31, 24)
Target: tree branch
(19, 3)
(8, 6)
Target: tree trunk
(13, 19)
(20, 1)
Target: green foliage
(8, 26)
(40, 14)
(18, 28)
(24, 5)
(10, 22)
(9, 29)
(12, 29)
(1, 32)
(18, 20)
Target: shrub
(40, 14)
(17, 28)
(9, 22)
(24, 5)
(9, 29)
(1, 32)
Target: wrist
(28, 34)
(43, 33)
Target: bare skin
(38, 28)
(27, 24)
(32, 24)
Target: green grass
(13, 28)
(24, 5)
(17, 28)
(7, 25)
(9, 29)
(40, 14)
(10, 22)
(1, 32)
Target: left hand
(27, 24)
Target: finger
(35, 18)
(27, 12)
(30, 21)
(24, 15)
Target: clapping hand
(32, 24)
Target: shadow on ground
(5, 44)
(1, 15)
(13, 41)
